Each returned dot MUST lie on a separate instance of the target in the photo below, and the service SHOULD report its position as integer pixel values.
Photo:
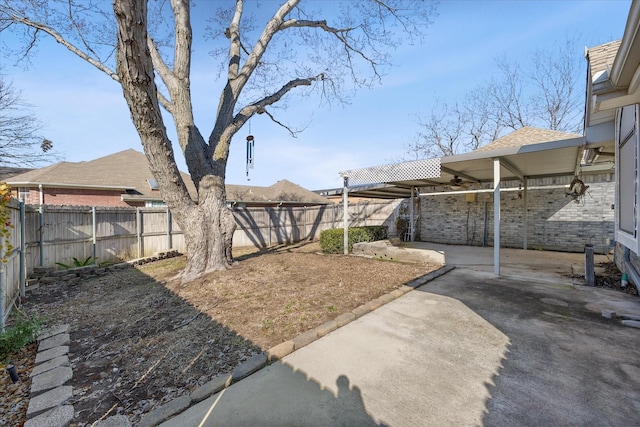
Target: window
(153, 184)
(154, 204)
(627, 166)
(23, 194)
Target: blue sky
(85, 115)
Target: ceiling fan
(457, 184)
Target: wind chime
(250, 152)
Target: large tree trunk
(208, 225)
(208, 231)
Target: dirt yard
(140, 338)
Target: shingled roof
(281, 191)
(601, 57)
(527, 135)
(125, 170)
(129, 172)
(7, 172)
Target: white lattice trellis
(406, 171)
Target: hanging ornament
(250, 149)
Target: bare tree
(296, 49)
(20, 141)
(545, 94)
(558, 99)
(443, 131)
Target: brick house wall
(76, 197)
(555, 221)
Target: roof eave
(67, 185)
(629, 51)
(510, 151)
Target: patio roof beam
(460, 174)
(510, 167)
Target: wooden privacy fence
(58, 234)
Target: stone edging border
(259, 361)
(48, 393)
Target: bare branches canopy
(268, 51)
(544, 93)
(20, 141)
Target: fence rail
(45, 235)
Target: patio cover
(508, 158)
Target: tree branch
(72, 48)
(292, 132)
(222, 149)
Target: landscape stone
(385, 298)
(327, 328)
(165, 412)
(250, 366)
(609, 314)
(632, 323)
(50, 379)
(48, 333)
(360, 311)
(405, 289)
(58, 273)
(114, 421)
(48, 400)
(49, 365)
(372, 305)
(396, 293)
(52, 353)
(211, 387)
(57, 417)
(54, 341)
(422, 280)
(345, 318)
(280, 350)
(305, 339)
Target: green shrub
(332, 241)
(24, 331)
(79, 263)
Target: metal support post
(345, 215)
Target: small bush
(332, 241)
(23, 332)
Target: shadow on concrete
(566, 364)
(278, 395)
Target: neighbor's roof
(526, 136)
(125, 170)
(7, 172)
(281, 191)
(601, 57)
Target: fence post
(41, 237)
(93, 233)
(139, 231)
(23, 272)
(269, 224)
(169, 242)
(305, 224)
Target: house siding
(76, 197)
(555, 221)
